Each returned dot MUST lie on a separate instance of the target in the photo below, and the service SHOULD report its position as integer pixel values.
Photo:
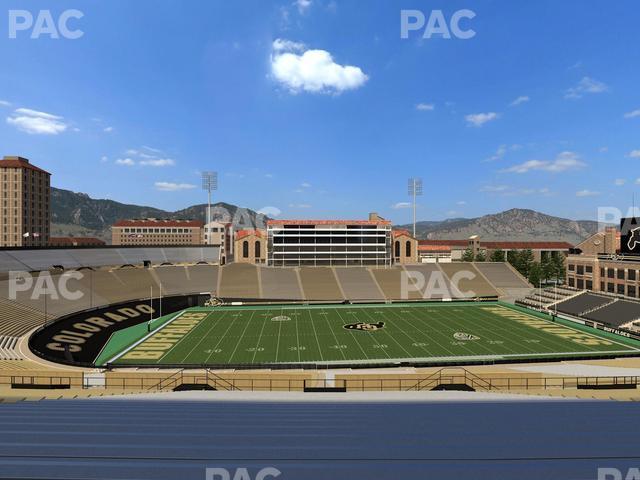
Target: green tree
(548, 268)
(467, 256)
(497, 256)
(559, 268)
(525, 262)
(481, 256)
(535, 273)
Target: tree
(497, 256)
(548, 268)
(526, 261)
(467, 256)
(559, 268)
(535, 273)
(481, 256)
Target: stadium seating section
(120, 283)
(583, 303)
(617, 313)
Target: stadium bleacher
(358, 284)
(201, 278)
(501, 275)
(239, 280)
(280, 284)
(390, 281)
(582, 303)
(616, 313)
(45, 259)
(320, 283)
(429, 274)
(469, 288)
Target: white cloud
(400, 205)
(107, 129)
(299, 205)
(520, 100)
(269, 175)
(282, 45)
(618, 182)
(173, 187)
(461, 202)
(37, 123)
(502, 151)
(603, 149)
(305, 185)
(637, 181)
(425, 107)
(584, 86)
(479, 119)
(303, 6)
(563, 162)
(634, 154)
(125, 161)
(4, 103)
(509, 191)
(104, 159)
(270, 211)
(158, 162)
(587, 193)
(634, 114)
(313, 70)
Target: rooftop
(328, 222)
(154, 222)
(19, 162)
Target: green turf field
(438, 333)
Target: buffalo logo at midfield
(634, 238)
(365, 327)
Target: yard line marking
(255, 351)
(241, 337)
(297, 336)
(388, 335)
(214, 323)
(326, 314)
(221, 338)
(313, 325)
(355, 336)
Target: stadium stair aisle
(158, 439)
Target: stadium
(173, 318)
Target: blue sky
(318, 108)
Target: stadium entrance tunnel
(188, 387)
(455, 387)
(77, 339)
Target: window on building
(621, 274)
(408, 249)
(610, 273)
(588, 285)
(580, 284)
(572, 267)
(620, 289)
(245, 249)
(631, 274)
(588, 269)
(611, 287)
(580, 269)
(397, 249)
(631, 291)
(572, 282)
(256, 248)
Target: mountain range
(77, 214)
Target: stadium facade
(329, 242)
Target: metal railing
(445, 377)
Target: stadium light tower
(415, 190)
(209, 183)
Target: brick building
(152, 231)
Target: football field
(357, 334)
